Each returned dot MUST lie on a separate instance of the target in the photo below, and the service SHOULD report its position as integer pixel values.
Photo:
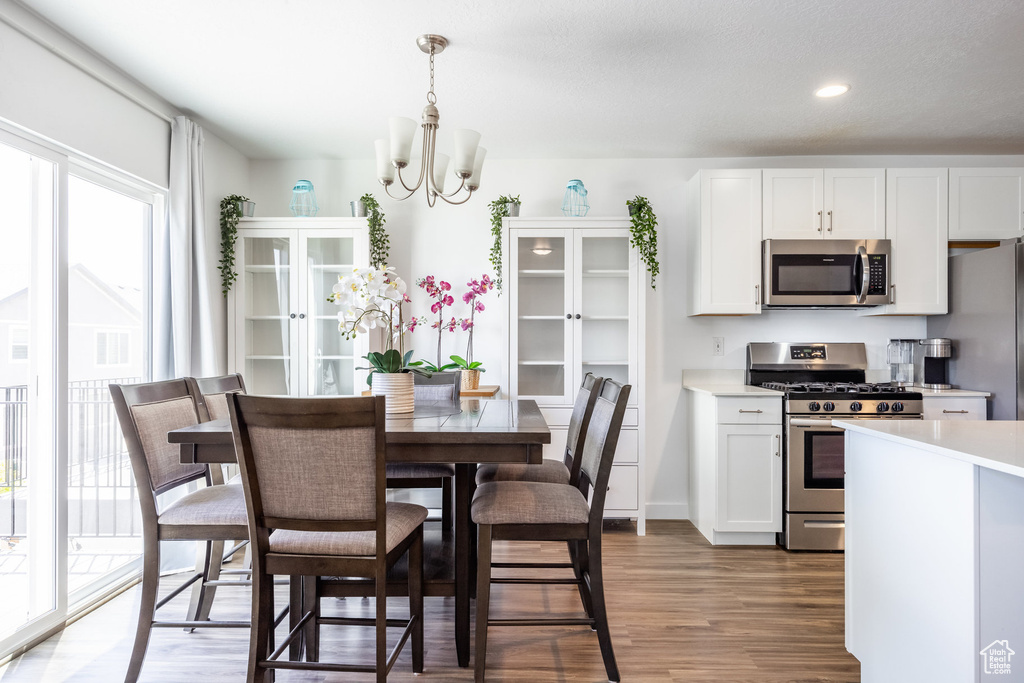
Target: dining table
(464, 434)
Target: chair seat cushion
(549, 471)
(419, 470)
(402, 520)
(529, 502)
(212, 505)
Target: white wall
(453, 242)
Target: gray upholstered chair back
(601, 440)
(146, 413)
(318, 459)
(582, 409)
(440, 386)
(211, 394)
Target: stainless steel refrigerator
(986, 323)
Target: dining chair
(212, 394)
(565, 471)
(440, 386)
(212, 514)
(313, 472)
(539, 511)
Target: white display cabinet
(576, 302)
(282, 331)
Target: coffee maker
(931, 363)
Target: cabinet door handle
(830, 221)
(757, 294)
(819, 221)
(301, 316)
(578, 316)
(568, 316)
(292, 316)
(751, 411)
(778, 446)
(955, 412)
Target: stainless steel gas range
(821, 381)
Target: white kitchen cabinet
(955, 407)
(917, 225)
(577, 297)
(736, 467)
(986, 203)
(282, 332)
(824, 203)
(723, 210)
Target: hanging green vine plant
(500, 208)
(644, 233)
(380, 243)
(230, 212)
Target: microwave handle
(865, 275)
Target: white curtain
(184, 339)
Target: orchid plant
(438, 291)
(477, 288)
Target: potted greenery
(643, 231)
(502, 207)
(380, 244)
(232, 208)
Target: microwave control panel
(876, 274)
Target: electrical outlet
(718, 346)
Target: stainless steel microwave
(826, 273)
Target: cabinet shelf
(266, 317)
(605, 273)
(542, 362)
(606, 317)
(606, 362)
(332, 266)
(266, 268)
(268, 357)
(541, 273)
(542, 317)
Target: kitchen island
(935, 549)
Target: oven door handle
(812, 422)
(865, 274)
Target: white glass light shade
(385, 170)
(466, 142)
(402, 131)
(440, 169)
(473, 181)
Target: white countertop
(996, 445)
(949, 393)
(730, 389)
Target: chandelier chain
(431, 97)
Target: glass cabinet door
(604, 277)
(269, 310)
(331, 359)
(542, 303)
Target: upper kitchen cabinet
(986, 203)
(723, 214)
(824, 203)
(916, 218)
(282, 332)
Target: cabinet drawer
(966, 408)
(740, 410)
(559, 417)
(622, 490)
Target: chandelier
(394, 154)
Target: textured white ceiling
(579, 78)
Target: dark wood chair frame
(124, 397)
(396, 478)
(586, 560)
(322, 413)
(223, 384)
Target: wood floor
(681, 611)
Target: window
(19, 344)
(112, 348)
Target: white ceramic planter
(396, 388)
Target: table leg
(463, 559)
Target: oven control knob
(897, 407)
(829, 406)
(856, 406)
(882, 406)
(813, 406)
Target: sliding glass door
(75, 282)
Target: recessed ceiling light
(832, 90)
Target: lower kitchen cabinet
(736, 467)
(955, 407)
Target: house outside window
(112, 348)
(19, 344)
